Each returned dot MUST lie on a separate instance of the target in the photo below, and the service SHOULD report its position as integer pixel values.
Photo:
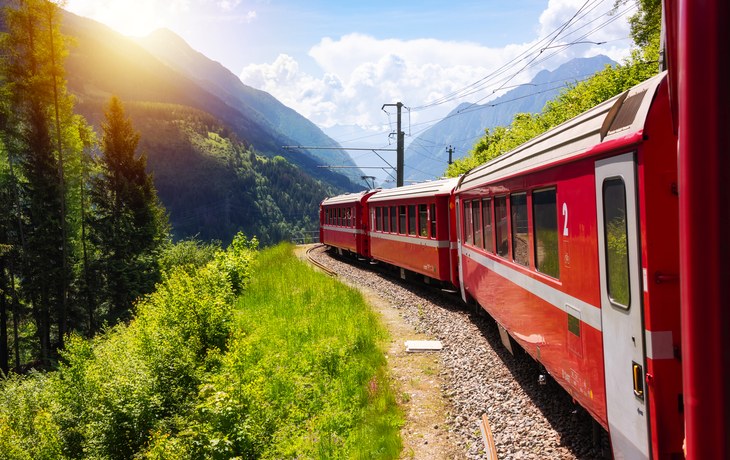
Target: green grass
(307, 353)
(293, 368)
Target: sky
(338, 62)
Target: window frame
(432, 220)
(468, 225)
(402, 220)
(379, 219)
(535, 232)
(422, 225)
(497, 227)
(605, 244)
(487, 199)
(514, 227)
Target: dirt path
(417, 382)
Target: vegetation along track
(529, 421)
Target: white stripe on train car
(591, 315)
(343, 229)
(411, 239)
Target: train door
(621, 307)
(459, 260)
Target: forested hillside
(214, 184)
(104, 62)
(171, 49)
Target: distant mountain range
(426, 157)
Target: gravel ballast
(528, 420)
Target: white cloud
(228, 5)
(361, 72)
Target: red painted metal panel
(659, 212)
(414, 253)
(704, 174)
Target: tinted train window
(433, 220)
(393, 220)
(423, 220)
(402, 220)
(411, 219)
(617, 250)
(476, 221)
(520, 241)
(337, 217)
(378, 219)
(349, 216)
(487, 225)
(545, 227)
(386, 220)
(500, 222)
(468, 229)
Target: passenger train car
(410, 228)
(571, 243)
(343, 224)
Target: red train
(571, 243)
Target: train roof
(422, 190)
(613, 119)
(347, 198)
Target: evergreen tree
(127, 226)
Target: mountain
(426, 157)
(218, 166)
(106, 62)
(171, 49)
(358, 137)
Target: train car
(409, 228)
(343, 222)
(571, 243)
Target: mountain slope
(105, 62)
(426, 157)
(174, 51)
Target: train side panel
(534, 306)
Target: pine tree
(128, 226)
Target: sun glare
(130, 17)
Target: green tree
(127, 225)
(646, 23)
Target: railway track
(528, 420)
(316, 263)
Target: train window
(616, 232)
(545, 228)
(411, 219)
(476, 221)
(393, 220)
(423, 220)
(386, 220)
(487, 225)
(468, 225)
(402, 220)
(378, 219)
(433, 220)
(500, 223)
(520, 241)
(337, 216)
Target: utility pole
(450, 150)
(401, 140)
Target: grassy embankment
(292, 368)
